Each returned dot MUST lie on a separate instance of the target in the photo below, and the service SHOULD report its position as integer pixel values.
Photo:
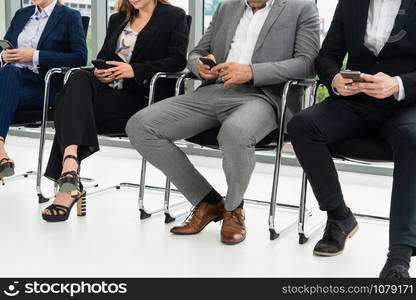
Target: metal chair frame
(308, 99)
(141, 186)
(43, 124)
(305, 235)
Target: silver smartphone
(354, 75)
(5, 44)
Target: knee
(10, 71)
(138, 128)
(233, 134)
(404, 142)
(80, 76)
(300, 125)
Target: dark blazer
(346, 35)
(161, 46)
(62, 42)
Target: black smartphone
(100, 64)
(5, 44)
(354, 75)
(208, 62)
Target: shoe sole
(233, 243)
(8, 172)
(326, 254)
(216, 220)
(63, 218)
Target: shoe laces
(192, 213)
(232, 215)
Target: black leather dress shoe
(335, 236)
(395, 271)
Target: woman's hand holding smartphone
(109, 71)
(103, 75)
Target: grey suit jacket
(286, 48)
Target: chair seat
(30, 118)
(363, 149)
(209, 139)
(113, 128)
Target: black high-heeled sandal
(6, 167)
(60, 213)
(69, 181)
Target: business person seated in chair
(45, 35)
(380, 40)
(143, 38)
(258, 45)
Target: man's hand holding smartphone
(380, 85)
(205, 70)
(344, 86)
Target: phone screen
(208, 62)
(355, 76)
(100, 64)
(5, 45)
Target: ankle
(399, 255)
(213, 197)
(339, 213)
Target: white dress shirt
(381, 18)
(31, 33)
(380, 23)
(247, 33)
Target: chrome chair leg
(169, 217)
(20, 175)
(302, 207)
(143, 213)
(41, 197)
(304, 235)
(280, 139)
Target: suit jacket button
(144, 81)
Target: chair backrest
(85, 23)
(189, 21)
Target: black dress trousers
(85, 108)
(313, 130)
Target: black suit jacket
(346, 35)
(161, 46)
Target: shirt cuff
(1, 59)
(402, 94)
(333, 89)
(35, 59)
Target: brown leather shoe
(203, 214)
(233, 229)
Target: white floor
(112, 242)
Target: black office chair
(40, 118)
(273, 141)
(367, 151)
(116, 131)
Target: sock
(399, 255)
(339, 213)
(212, 197)
(241, 205)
